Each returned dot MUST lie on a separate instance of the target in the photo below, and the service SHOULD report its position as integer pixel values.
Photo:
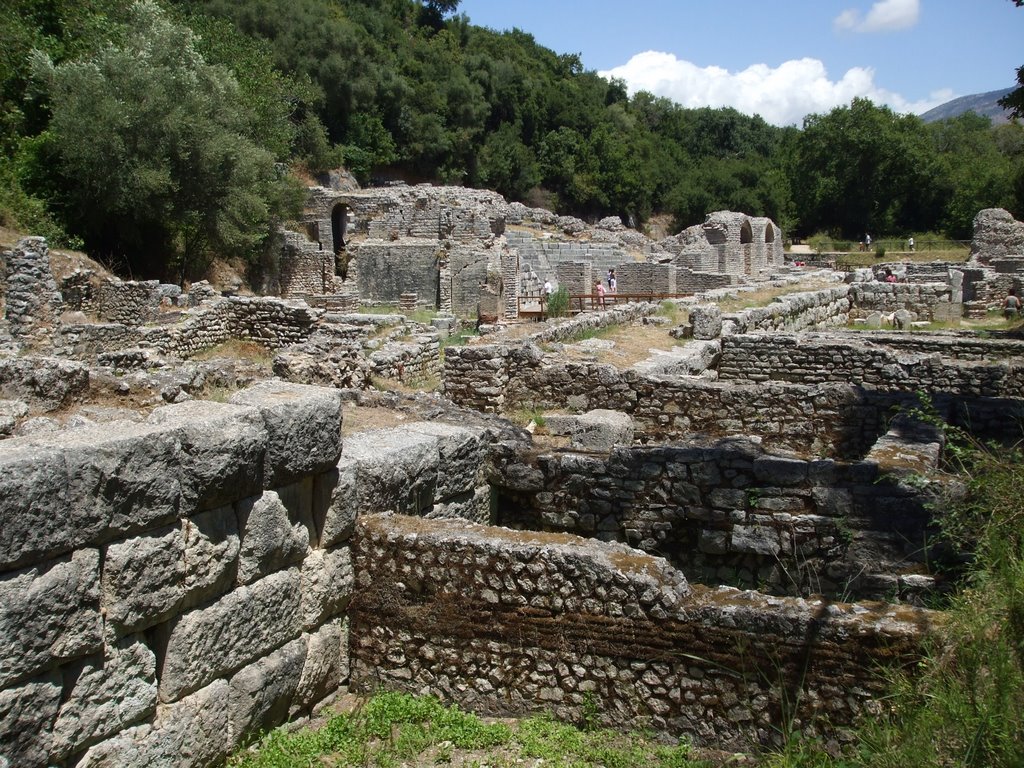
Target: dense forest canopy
(160, 132)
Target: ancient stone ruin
(722, 541)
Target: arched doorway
(339, 223)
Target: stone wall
(128, 302)
(507, 623)
(689, 281)
(577, 277)
(168, 588)
(928, 301)
(171, 588)
(415, 360)
(813, 358)
(546, 255)
(795, 312)
(32, 303)
(646, 278)
(727, 512)
(305, 267)
(387, 270)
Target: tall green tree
(861, 168)
(156, 150)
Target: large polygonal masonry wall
(507, 623)
(170, 588)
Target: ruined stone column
(33, 302)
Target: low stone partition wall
(508, 623)
(273, 323)
(929, 301)
(84, 341)
(169, 589)
(817, 358)
(410, 361)
(616, 314)
(727, 512)
(795, 312)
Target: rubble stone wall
(128, 302)
(813, 359)
(796, 312)
(305, 268)
(271, 322)
(410, 361)
(507, 623)
(727, 512)
(32, 302)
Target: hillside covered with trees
(159, 134)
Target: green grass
(393, 729)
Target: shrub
(558, 303)
(879, 251)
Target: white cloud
(782, 96)
(884, 16)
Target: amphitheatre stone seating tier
(509, 623)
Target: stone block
(298, 498)
(236, 630)
(192, 733)
(270, 539)
(49, 615)
(221, 452)
(395, 471)
(327, 584)
(107, 696)
(303, 425)
(597, 430)
(335, 501)
(261, 694)
(779, 470)
(36, 518)
(212, 545)
(144, 579)
(755, 539)
(326, 666)
(706, 320)
(27, 714)
(460, 453)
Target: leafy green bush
(558, 303)
(879, 251)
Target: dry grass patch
(633, 344)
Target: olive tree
(156, 151)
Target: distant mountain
(980, 103)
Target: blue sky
(784, 58)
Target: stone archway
(339, 225)
(746, 233)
